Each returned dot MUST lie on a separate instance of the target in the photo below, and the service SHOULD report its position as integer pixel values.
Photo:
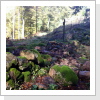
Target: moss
(27, 66)
(21, 76)
(46, 62)
(38, 56)
(14, 73)
(41, 44)
(48, 57)
(27, 76)
(21, 57)
(40, 60)
(10, 49)
(42, 72)
(21, 47)
(46, 68)
(7, 76)
(11, 83)
(65, 74)
(8, 53)
(37, 67)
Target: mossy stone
(11, 83)
(65, 75)
(14, 73)
(46, 56)
(27, 76)
(28, 54)
(11, 60)
(46, 62)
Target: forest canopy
(25, 21)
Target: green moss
(41, 44)
(40, 60)
(7, 76)
(37, 67)
(38, 56)
(21, 57)
(42, 72)
(46, 56)
(11, 83)
(15, 73)
(12, 63)
(8, 53)
(65, 74)
(10, 49)
(21, 76)
(21, 47)
(27, 76)
(46, 62)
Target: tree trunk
(36, 18)
(13, 24)
(23, 30)
(48, 24)
(63, 30)
(18, 24)
(23, 21)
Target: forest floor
(71, 53)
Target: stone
(86, 66)
(84, 74)
(11, 60)
(75, 69)
(48, 80)
(22, 60)
(14, 73)
(41, 86)
(44, 82)
(28, 54)
(63, 75)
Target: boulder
(24, 63)
(86, 66)
(22, 60)
(11, 60)
(10, 84)
(63, 75)
(44, 82)
(75, 69)
(28, 54)
(41, 86)
(14, 73)
(84, 74)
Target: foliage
(52, 87)
(39, 18)
(34, 87)
(42, 72)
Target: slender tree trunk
(23, 25)
(18, 24)
(36, 18)
(23, 30)
(13, 24)
(64, 30)
(48, 24)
